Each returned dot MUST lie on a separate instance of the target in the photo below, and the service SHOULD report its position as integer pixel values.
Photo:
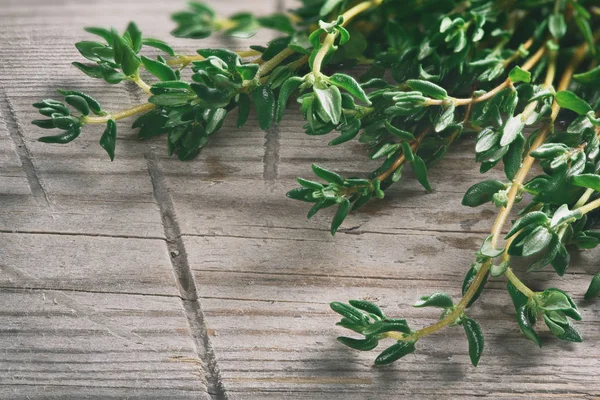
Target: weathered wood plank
(71, 345)
(266, 303)
(37, 43)
(90, 309)
(102, 318)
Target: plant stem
(400, 160)
(120, 115)
(584, 198)
(590, 206)
(140, 82)
(503, 214)
(273, 62)
(521, 287)
(330, 38)
(184, 60)
(486, 96)
(516, 54)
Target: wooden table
(150, 278)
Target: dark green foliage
(436, 71)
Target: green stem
(486, 96)
(273, 62)
(330, 38)
(120, 115)
(521, 287)
(140, 82)
(590, 206)
(504, 212)
(584, 198)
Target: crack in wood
(185, 280)
(16, 134)
(271, 156)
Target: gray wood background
(150, 278)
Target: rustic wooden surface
(150, 278)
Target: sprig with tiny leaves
(522, 77)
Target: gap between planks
(16, 134)
(185, 280)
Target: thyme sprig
(436, 70)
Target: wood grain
(96, 257)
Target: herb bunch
(523, 76)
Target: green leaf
(407, 151)
(348, 83)
(340, 215)
(330, 100)
(475, 338)
(514, 157)
(91, 102)
(367, 306)
(388, 325)
(404, 135)
(590, 181)
(553, 249)
(278, 22)
(441, 300)
(44, 123)
(158, 44)
(594, 288)
(420, 170)
(264, 102)
(563, 214)
(561, 260)
(86, 49)
(229, 57)
(310, 184)
(103, 33)
(445, 118)
(214, 120)
(349, 131)
(486, 139)
(532, 218)
(79, 103)
(571, 101)
(359, 344)
(590, 77)
(243, 109)
(518, 298)
(95, 71)
(160, 70)
(62, 138)
(124, 55)
(108, 140)
(113, 76)
(427, 88)
(395, 352)
(550, 150)
(526, 326)
(557, 25)
(500, 269)
(134, 35)
(519, 75)
(349, 312)
(482, 192)
(469, 278)
(537, 241)
(65, 122)
(289, 87)
(327, 175)
(302, 194)
(328, 7)
(514, 126)
(488, 250)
